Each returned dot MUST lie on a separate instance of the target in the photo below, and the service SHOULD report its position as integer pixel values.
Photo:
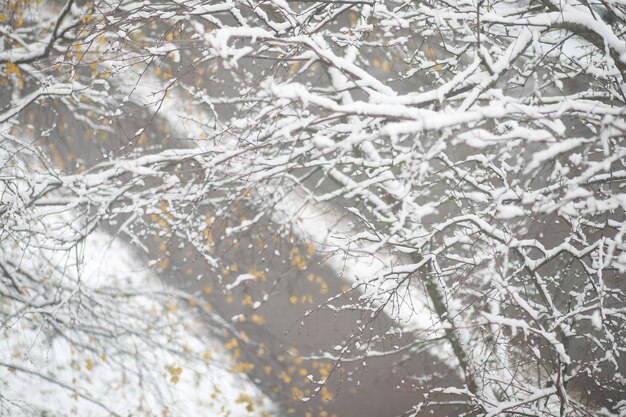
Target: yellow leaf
(310, 249)
(258, 275)
(386, 66)
(175, 374)
(293, 68)
(163, 263)
(246, 399)
(243, 398)
(89, 364)
(299, 262)
(12, 69)
(247, 300)
(353, 19)
(326, 395)
(293, 299)
(284, 377)
(242, 367)
(231, 344)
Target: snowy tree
(471, 153)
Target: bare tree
(474, 149)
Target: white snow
(89, 379)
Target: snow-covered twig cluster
(477, 147)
